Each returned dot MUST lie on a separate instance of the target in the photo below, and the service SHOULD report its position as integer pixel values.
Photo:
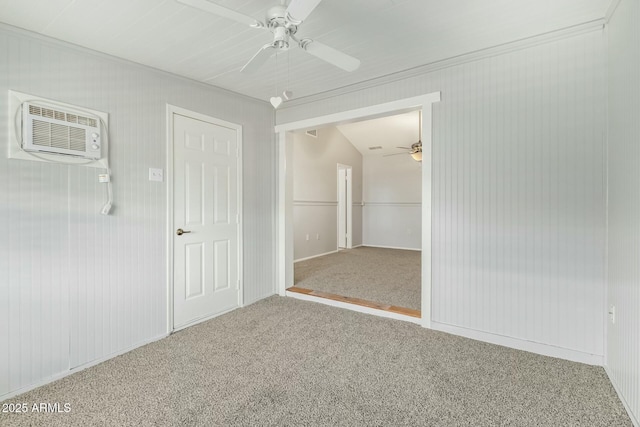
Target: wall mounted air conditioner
(51, 129)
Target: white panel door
(206, 239)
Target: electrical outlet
(307, 237)
(155, 174)
(317, 236)
(612, 314)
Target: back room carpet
(385, 276)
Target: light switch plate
(156, 174)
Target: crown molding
(611, 10)
(57, 43)
(501, 49)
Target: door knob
(180, 232)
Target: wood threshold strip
(357, 301)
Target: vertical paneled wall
(623, 337)
(518, 189)
(75, 285)
(518, 195)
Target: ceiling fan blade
(394, 154)
(330, 55)
(207, 6)
(299, 10)
(258, 59)
(404, 148)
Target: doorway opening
(285, 250)
(345, 205)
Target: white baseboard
(354, 307)
(391, 247)
(315, 256)
(206, 318)
(634, 419)
(520, 344)
(61, 375)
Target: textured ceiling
(386, 35)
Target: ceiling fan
(415, 151)
(283, 22)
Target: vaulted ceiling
(388, 133)
(388, 36)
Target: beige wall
(392, 212)
(315, 191)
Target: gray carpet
(285, 362)
(387, 276)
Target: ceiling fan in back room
(415, 151)
(283, 22)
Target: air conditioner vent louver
(62, 116)
(41, 133)
(77, 139)
(58, 136)
(55, 131)
(313, 133)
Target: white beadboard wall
(623, 337)
(392, 191)
(518, 190)
(76, 286)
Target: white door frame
(285, 178)
(171, 110)
(348, 201)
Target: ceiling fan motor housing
(280, 38)
(280, 26)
